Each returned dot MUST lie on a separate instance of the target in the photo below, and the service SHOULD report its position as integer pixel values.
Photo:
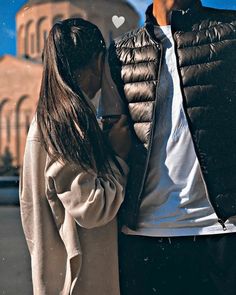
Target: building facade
(20, 76)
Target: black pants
(180, 265)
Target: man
(175, 78)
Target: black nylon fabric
(205, 41)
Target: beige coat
(68, 217)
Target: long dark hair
(67, 124)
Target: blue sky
(10, 7)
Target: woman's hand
(120, 137)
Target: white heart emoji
(118, 21)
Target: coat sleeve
(90, 199)
(42, 236)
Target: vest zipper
(159, 45)
(220, 221)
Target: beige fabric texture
(69, 220)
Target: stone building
(20, 76)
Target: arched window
(21, 41)
(8, 127)
(45, 35)
(41, 28)
(32, 41)
(3, 102)
(28, 31)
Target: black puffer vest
(205, 41)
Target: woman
(71, 188)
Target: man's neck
(162, 9)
